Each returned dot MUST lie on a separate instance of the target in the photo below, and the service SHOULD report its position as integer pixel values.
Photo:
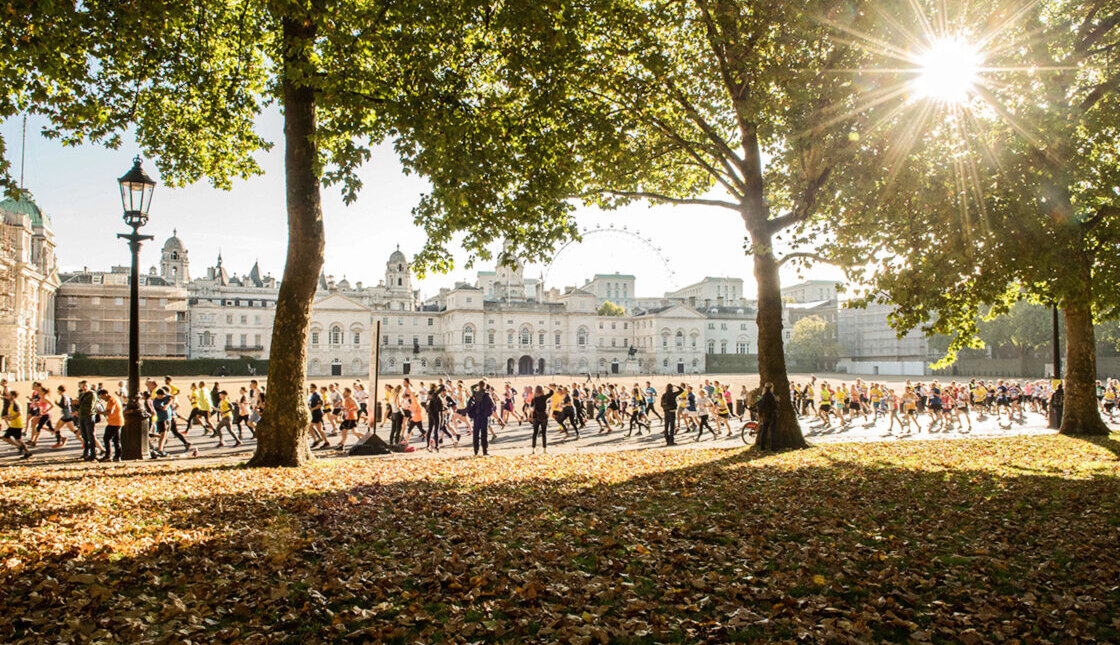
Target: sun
(947, 71)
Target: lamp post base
(134, 435)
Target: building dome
(24, 206)
(397, 257)
(173, 243)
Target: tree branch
(1099, 91)
(681, 201)
(803, 256)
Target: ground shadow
(742, 547)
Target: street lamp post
(136, 196)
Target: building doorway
(680, 367)
(614, 366)
(406, 367)
(336, 367)
(525, 366)
(540, 366)
(509, 367)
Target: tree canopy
(1011, 192)
(608, 308)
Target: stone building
(28, 287)
(91, 313)
(710, 292)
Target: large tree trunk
(282, 432)
(771, 351)
(1081, 416)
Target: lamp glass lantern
(136, 194)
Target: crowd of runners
(431, 415)
(948, 406)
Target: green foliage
(1024, 327)
(613, 101)
(814, 341)
(156, 367)
(1014, 195)
(608, 308)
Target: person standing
(539, 417)
(435, 416)
(669, 407)
(114, 420)
(479, 409)
(768, 418)
(86, 405)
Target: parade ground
(514, 439)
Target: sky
(76, 187)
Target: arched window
(468, 335)
(356, 336)
(723, 347)
(314, 337)
(557, 339)
(400, 282)
(665, 340)
(336, 335)
(711, 347)
(509, 338)
(526, 336)
(741, 347)
(581, 337)
(680, 338)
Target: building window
(723, 347)
(490, 337)
(400, 341)
(229, 319)
(257, 340)
(385, 340)
(118, 301)
(314, 337)
(431, 322)
(431, 340)
(557, 339)
(229, 340)
(581, 337)
(357, 338)
(526, 336)
(711, 347)
(468, 335)
(680, 339)
(740, 347)
(336, 335)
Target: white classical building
(29, 281)
(501, 324)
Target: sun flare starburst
(948, 70)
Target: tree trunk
(771, 352)
(1080, 414)
(282, 432)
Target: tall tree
(724, 104)
(1011, 187)
(1023, 326)
(814, 341)
(191, 77)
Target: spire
(219, 258)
